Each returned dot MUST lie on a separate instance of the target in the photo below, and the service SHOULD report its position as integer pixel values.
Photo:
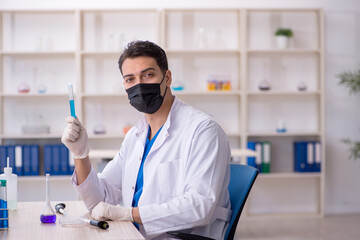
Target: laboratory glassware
(4, 215)
(71, 100)
(47, 215)
(11, 180)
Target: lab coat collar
(142, 126)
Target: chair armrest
(187, 236)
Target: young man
(172, 170)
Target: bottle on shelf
(23, 86)
(281, 126)
(201, 42)
(99, 126)
(11, 180)
(264, 85)
(38, 79)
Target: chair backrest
(242, 178)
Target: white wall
(342, 31)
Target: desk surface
(24, 223)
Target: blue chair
(242, 178)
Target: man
(172, 170)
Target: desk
(24, 223)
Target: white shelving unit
(237, 45)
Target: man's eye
(128, 80)
(148, 75)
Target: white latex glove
(104, 211)
(75, 138)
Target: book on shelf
(57, 160)
(263, 159)
(23, 159)
(307, 156)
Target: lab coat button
(166, 135)
(133, 188)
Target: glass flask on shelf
(23, 86)
(47, 214)
(264, 85)
(201, 42)
(99, 126)
(38, 78)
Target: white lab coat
(186, 175)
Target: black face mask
(146, 97)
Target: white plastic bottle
(11, 182)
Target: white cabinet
(287, 71)
(218, 59)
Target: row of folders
(307, 156)
(25, 159)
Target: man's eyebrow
(145, 70)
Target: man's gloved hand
(75, 138)
(104, 211)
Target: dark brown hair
(144, 48)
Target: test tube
(71, 100)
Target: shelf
(206, 93)
(34, 95)
(280, 93)
(100, 53)
(42, 178)
(102, 95)
(286, 134)
(32, 136)
(37, 53)
(106, 136)
(289, 175)
(283, 51)
(207, 51)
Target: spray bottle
(11, 182)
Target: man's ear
(168, 78)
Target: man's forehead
(139, 64)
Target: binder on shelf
(10, 150)
(251, 160)
(3, 157)
(258, 159)
(47, 158)
(71, 163)
(317, 160)
(300, 155)
(18, 150)
(310, 157)
(266, 157)
(26, 156)
(64, 160)
(35, 160)
(55, 163)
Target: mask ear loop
(165, 88)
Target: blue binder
(26, 160)
(64, 160)
(47, 158)
(3, 157)
(300, 156)
(55, 167)
(34, 160)
(251, 160)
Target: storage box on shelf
(285, 86)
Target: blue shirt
(140, 181)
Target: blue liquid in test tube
(71, 101)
